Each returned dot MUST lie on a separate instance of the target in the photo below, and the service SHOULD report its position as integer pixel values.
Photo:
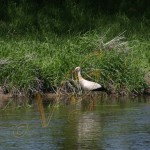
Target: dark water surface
(113, 124)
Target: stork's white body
(85, 84)
(88, 85)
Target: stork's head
(77, 69)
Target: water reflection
(88, 129)
(114, 123)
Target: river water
(109, 124)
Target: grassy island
(42, 42)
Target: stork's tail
(103, 89)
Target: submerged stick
(41, 109)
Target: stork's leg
(92, 103)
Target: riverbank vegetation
(42, 42)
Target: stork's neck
(79, 75)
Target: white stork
(88, 85)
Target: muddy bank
(5, 97)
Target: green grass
(51, 61)
(50, 51)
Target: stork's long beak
(73, 71)
(74, 75)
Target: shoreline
(55, 95)
(25, 101)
